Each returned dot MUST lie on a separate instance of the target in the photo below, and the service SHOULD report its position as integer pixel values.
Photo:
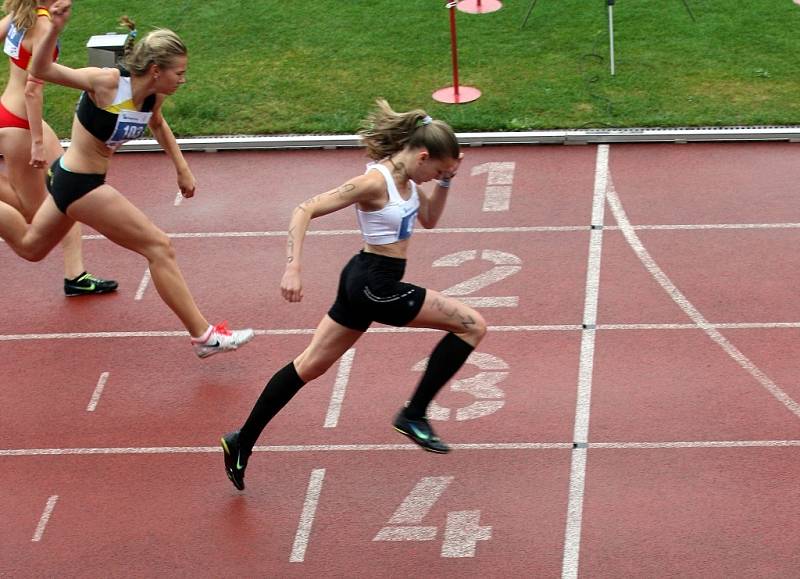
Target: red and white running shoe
(220, 339)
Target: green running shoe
(420, 431)
(87, 284)
(235, 461)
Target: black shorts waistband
(379, 258)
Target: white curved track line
(647, 260)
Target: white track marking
(445, 230)
(307, 517)
(339, 388)
(500, 178)
(489, 446)
(356, 232)
(577, 477)
(143, 285)
(281, 448)
(388, 330)
(101, 383)
(413, 510)
(688, 308)
(48, 511)
(690, 227)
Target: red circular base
(479, 6)
(465, 94)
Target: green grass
(316, 66)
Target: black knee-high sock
(283, 385)
(447, 357)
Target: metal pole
(689, 10)
(611, 32)
(530, 9)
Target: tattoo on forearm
(340, 192)
(290, 246)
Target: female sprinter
(408, 149)
(116, 106)
(27, 143)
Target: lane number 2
(506, 264)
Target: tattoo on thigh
(465, 319)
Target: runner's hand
(186, 183)
(291, 286)
(37, 156)
(452, 173)
(59, 13)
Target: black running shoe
(86, 284)
(235, 461)
(420, 431)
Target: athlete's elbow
(39, 69)
(33, 89)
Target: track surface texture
(632, 412)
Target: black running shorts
(370, 290)
(67, 187)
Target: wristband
(444, 183)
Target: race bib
(130, 125)
(407, 225)
(13, 41)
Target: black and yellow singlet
(120, 121)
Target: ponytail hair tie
(427, 120)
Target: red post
(454, 45)
(456, 93)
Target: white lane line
(143, 285)
(703, 226)
(490, 446)
(101, 383)
(446, 230)
(719, 326)
(577, 477)
(696, 444)
(48, 511)
(281, 448)
(406, 330)
(339, 388)
(688, 308)
(307, 516)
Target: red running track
(632, 412)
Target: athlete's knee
(160, 248)
(474, 329)
(33, 253)
(310, 367)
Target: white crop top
(395, 220)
